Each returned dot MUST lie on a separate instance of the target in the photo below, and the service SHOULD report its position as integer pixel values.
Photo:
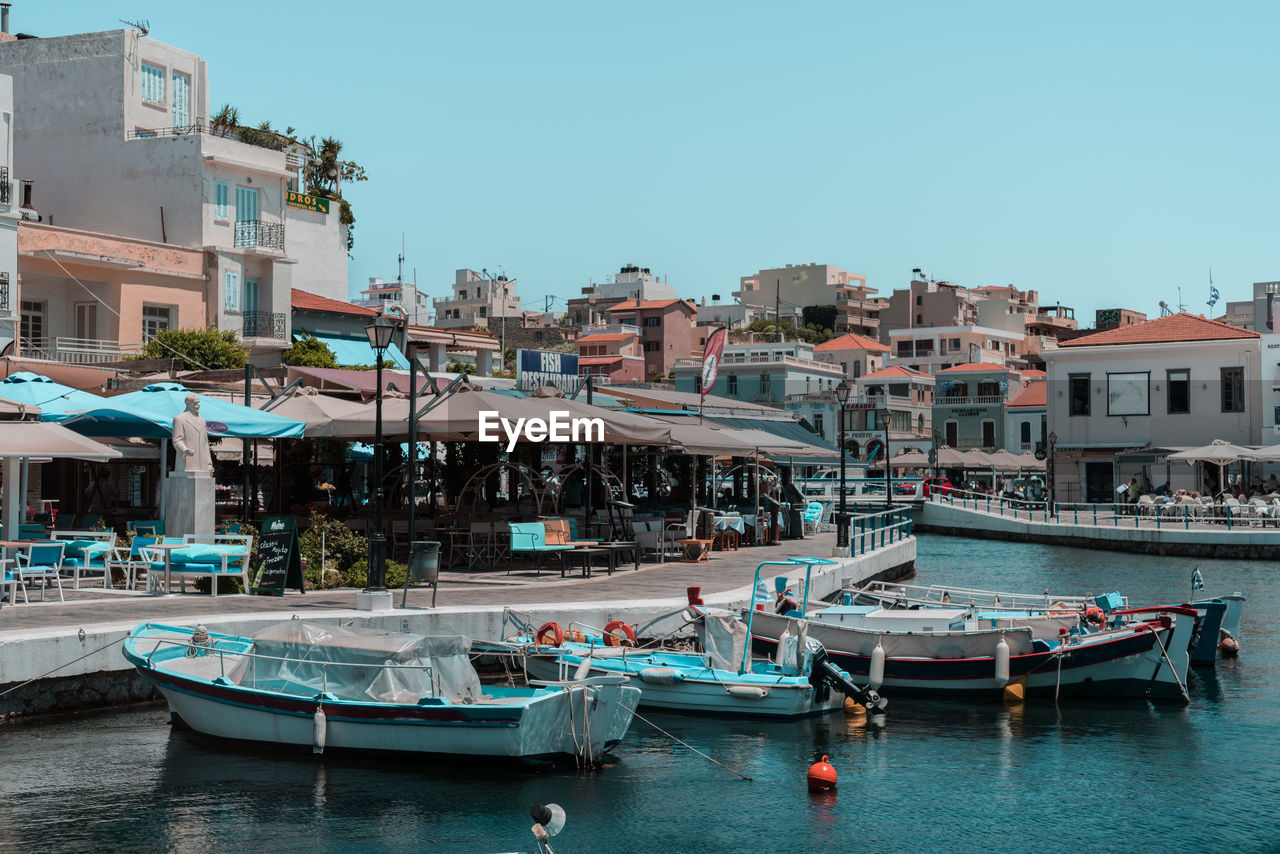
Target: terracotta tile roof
(630, 305)
(1034, 395)
(1032, 373)
(606, 338)
(896, 371)
(974, 366)
(851, 341)
(1176, 327)
(304, 301)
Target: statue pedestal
(188, 504)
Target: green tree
(820, 316)
(325, 175)
(310, 352)
(809, 333)
(457, 366)
(197, 349)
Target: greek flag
(1197, 580)
(1213, 295)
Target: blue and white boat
(721, 679)
(303, 685)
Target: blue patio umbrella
(149, 414)
(55, 400)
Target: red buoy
(822, 777)
(1228, 646)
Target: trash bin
(424, 561)
(795, 524)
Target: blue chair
(812, 516)
(87, 551)
(131, 561)
(41, 561)
(531, 538)
(155, 526)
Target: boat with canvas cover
(1217, 630)
(941, 652)
(298, 684)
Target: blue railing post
(1075, 515)
(1186, 517)
(1095, 514)
(1228, 517)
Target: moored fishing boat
(303, 685)
(721, 679)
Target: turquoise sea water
(937, 776)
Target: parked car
(936, 486)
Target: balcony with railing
(264, 324)
(970, 400)
(78, 351)
(256, 233)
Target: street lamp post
(1053, 504)
(842, 518)
(885, 416)
(379, 333)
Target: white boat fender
(661, 676)
(1002, 662)
(747, 692)
(584, 669)
(875, 676)
(319, 730)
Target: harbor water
(934, 776)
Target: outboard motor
(824, 676)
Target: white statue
(191, 439)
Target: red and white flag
(711, 359)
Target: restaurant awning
(149, 413)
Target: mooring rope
(691, 747)
(60, 666)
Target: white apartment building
(631, 282)
(476, 298)
(1120, 400)
(935, 348)
(398, 297)
(117, 140)
(797, 285)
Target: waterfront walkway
(1208, 533)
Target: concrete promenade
(1102, 528)
(90, 670)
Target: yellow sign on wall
(307, 203)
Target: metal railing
(263, 324)
(1150, 516)
(86, 351)
(4, 185)
(875, 530)
(974, 400)
(269, 235)
(4, 291)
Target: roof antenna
(143, 27)
(400, 260)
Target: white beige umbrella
(24, 439)
(326, 417)
(1271, 453)
(1219, 452)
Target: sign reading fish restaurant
(307, 203)
(541, 367)
(561, 427)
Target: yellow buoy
(1015, 692)
(854, 708)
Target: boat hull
(699, 692)
(1130, 664)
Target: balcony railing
(264, 324)
(88, 351)
(268, 235)
(4, 185)
(976, 400)
(4, 291)
(762, 397)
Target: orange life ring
(549, 628)
(1060, 609)
(612, 639)
(1096, 615)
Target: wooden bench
(695, 550)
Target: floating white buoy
(1002, 663)
(876, 677)
(318, 733)
(584, 669)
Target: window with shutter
(221, 199)
(152, 84)
(181, 100)
(231, 290)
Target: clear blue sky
(1103, 154)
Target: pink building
(614, 357)
(666, 331)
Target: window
(143, 133)
(1024, 435)
(152, 84)
(231, 290)
(817, 424)
(951, 431)
(652, 346)
(33, 323)
(221, 200)
(181, 100)
(154, 319)
(920, 319)
(1233, 389)
(857, 370)
(766, 388)
(1078, 385)
(250, 295)
(482, 311)
(919, 300)
(1179, 392)
(653, 321)
(246, 204)
(733, 385)
(86, 320)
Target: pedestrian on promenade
(1134, 491)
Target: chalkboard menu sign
(278, 564)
